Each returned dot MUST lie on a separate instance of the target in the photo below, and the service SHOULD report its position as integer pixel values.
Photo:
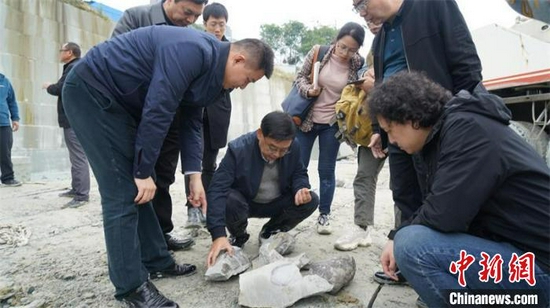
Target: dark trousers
(209, 158)
(106, 131)
(6, 143)
(404, 183)
(284, 214)
(80, 169)
(165, 175)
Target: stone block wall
(31, 34)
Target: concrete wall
(32, 32)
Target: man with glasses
(416, 35)
(69, 55)
(260, 176)
(174, 13)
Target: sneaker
(69, 194)
(12, 183)
(239, 240)
(323, 224)
(195, 218)
(73, 204)
(175, 270)
(354, 238)
(382, 278)
(175, 243)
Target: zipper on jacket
(404, 49)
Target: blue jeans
(328, 151)
(424, 256)
(106, 131)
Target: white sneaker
(323, 224)
(354, 238)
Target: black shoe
(73, 204)
(12, 183)
(175, 270)
(382, 278)
(266, 234)
(239, 240)
(147, 296)
(69, 194)
(175, 243)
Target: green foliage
(293, 40)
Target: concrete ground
(53, 257)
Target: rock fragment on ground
(227, 266)
(339, 271)
(282, 242)
(278, 284)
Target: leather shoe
(175, 270)
(238, 240)
(382, 278)
(147, 295)
(175, 243)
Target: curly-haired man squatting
(483, 223)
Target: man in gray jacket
(174, 13)
(180, 13)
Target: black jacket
(219, 115)
(56, 88)
(150, 72)
(484, 179)
(437, 41)
(241, 169)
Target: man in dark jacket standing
(174, 13)
(417, 35)
(486, 205)
(124, 95)
(261, 175)
(69, 54)
(215, 119)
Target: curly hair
(408, 96)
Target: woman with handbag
(337, 68)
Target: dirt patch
(63, 262)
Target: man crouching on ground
(260, 176)
(483, 223)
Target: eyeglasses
(360, 7)
(278, 151)
(346, 49)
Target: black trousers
(284, 214)
(165, 175)
(209, 159)
(6, 143)
(405, 171)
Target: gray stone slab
(339, 271)
(279, 284)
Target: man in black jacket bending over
(483, 221)
(261, 175)
(180, 13)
